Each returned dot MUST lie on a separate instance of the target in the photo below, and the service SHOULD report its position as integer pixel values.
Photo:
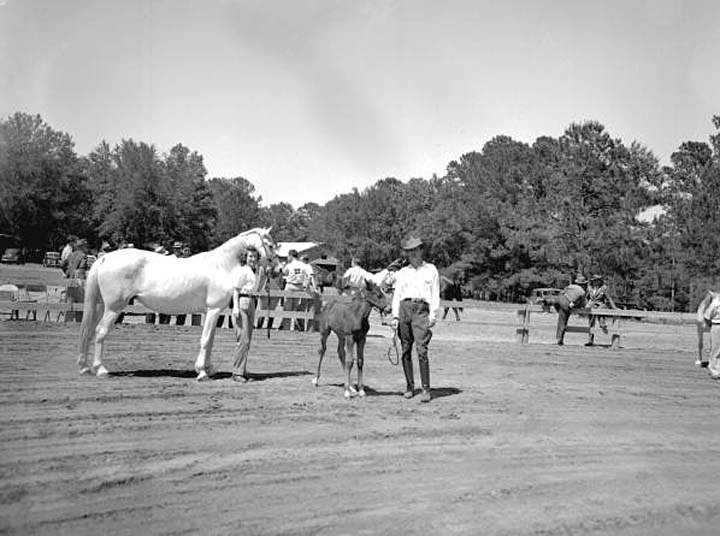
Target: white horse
(165, 284)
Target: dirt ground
(519, 439)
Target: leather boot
(409, 378)
(425, 379)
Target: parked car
(538, 295)
(51, 259)
(12, 256)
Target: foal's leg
(349, 360)
(101, 331)
(321, 353)
(202, 363)
(360, 362)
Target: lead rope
(393, 348)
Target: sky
(308, 99)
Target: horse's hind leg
(321, 353)
(349, 360)
(101, 331)
(360, 350)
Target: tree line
(505, 219)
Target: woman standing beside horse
(251, 278)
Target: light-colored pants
(243, 336)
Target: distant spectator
(77, 261)
(354, 277)
(598, 297)
(298, 278)
(65, 253)
(273, 281)
(104, 248)
(572, 297)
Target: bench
(613, 318)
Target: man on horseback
(414, 306)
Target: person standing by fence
(598, 297)
(572, 297)
(414, 306)
(298, 278)
(66, 252)
(273, 281)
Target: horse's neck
(363, 305)
(232, 249)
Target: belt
(415, 300)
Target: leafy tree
(238, 209)
(43, 196)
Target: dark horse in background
(347, 316)
(451, 290)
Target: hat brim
(411, 244)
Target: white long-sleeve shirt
(355, 276)
(421, 283)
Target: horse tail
(92, 311)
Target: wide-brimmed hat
(411, 242)
(596, 277)
(580, 280)
(161, 250)
(178, 245)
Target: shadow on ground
(191, 374)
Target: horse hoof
(315, 381)
(348, 395)
(361, 393)
(85, 370)
(102, 372)
(203, 377)
(352, 390)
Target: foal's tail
(93, 308)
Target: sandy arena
(519, 439)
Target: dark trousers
(413, 329)
(562, 306)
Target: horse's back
(344, 315)
(164, 283)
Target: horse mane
(237, 242)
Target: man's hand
(431, 321)
(394, 323)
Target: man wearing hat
(597, 297)
(298, 278)
(414, 305)
(77, 261)
(572, 296)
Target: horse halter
(369, 297)
(264, 245)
